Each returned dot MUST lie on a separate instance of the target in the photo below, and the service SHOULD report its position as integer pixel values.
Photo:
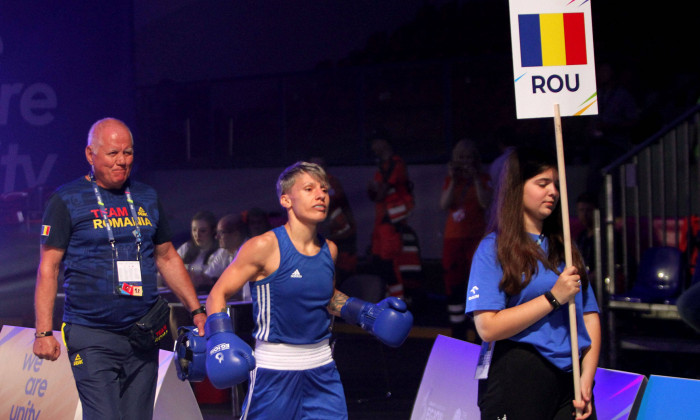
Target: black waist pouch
(146, 333)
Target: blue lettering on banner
(35, 102)
(32, 362)
(12, 161)
(24, 413)
(34, 387)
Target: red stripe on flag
(575, 38)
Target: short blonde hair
(289, 175)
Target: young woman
(517, 284)
(197, 252)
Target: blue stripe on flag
(530, 40)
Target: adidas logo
(78, 360)
(296, 274)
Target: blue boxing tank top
(290, 305)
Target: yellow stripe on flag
(553, 43)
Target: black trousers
(523, 385)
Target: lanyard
(103, 211)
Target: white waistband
(283, 356)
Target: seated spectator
(231, 232)
(197, 252)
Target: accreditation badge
(484, 363)
(129, 276)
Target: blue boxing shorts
(294, 382)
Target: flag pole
(564, 202)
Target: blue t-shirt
(73, 222)
(291, 304)
(549, 335)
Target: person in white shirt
(231, 232)
(199, 250)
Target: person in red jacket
(395, 251)
(465, 197)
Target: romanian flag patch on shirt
(45, 229)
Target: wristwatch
(201, 310)
(552, 300)
(43, 334)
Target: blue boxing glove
(389, 320)
(229, 359)
(191, 351)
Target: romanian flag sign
(553, 61)
(552, 39)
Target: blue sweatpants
(113, 381)
(295, 394)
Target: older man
(111, 235)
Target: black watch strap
(552, 300)
(43, 334)
(201, 310)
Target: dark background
(293, 76)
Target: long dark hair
(517, 253)
(193, 249)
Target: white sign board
(33, 388)
(448, 389)
(553, 61)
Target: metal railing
(650, 198)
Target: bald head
(107, 127)
(110, 152)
